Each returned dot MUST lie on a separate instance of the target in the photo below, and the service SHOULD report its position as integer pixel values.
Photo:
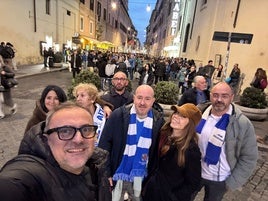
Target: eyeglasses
(68, 132)
(119, 79)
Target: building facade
(31, 25)
(203, 29)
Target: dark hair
(59, 91)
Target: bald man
(130, 136)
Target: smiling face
(83, 99)
(178, 122)
(143, 100)
(73, 154)
(51, 100)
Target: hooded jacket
(34, 175)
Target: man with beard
(227, 143)
(118, 95)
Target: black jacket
(190, 96)
(34, 175)
(114, 136)
(170, 182)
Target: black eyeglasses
(68, 132)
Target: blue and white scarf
(99, 120)
(216, 138)
(136, 152)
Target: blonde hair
(90, 88)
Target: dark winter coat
(114, 136)
(150, 79)
(34, 175)
(190, 96)
(116, 99)
(9, 73)
(170, 182)
(38, 115)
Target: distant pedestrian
(217, 75)
(45, 54)
(7, 76)
(198, 94)
(260, 79)
(146, 75)
(76, 62)
(207, 72)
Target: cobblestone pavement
(29, 89)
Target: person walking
(178, 173)
(227, 143)
(130, 136)
(146, 75)
(45, 54)
(8, 82)
(76, 63)
(56, 160)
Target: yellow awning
(91, 40)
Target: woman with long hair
(51, 96)
(178, 173)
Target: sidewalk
(29, 70)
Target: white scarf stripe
(148, 123)
(130, 150)
(132, 129)
(144, 143)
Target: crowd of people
(118, 146)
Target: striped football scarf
(216, 138)
(136, 152)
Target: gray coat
(241, 149)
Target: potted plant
(84, 77)
(57, 59)
(253, 103)
(166, 94)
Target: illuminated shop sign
(175, 17)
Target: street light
(148, 8)
(113, 5)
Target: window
(91, 5)
(116, 24)
(81, 23)
(91, 27)
(186, 38)
(99, 10)
(68, 12)
(48, 10)
(104, 14)
(82, 1)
